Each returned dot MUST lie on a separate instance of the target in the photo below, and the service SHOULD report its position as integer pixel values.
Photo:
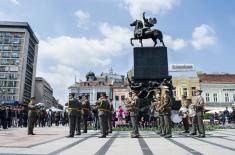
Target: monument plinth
(150, 63)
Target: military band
(161, 105)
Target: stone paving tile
(52, 141)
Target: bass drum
(175, 118)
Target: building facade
(18, 59)
(120, 92)
(185, 85)
(218, 89)
(94, 86)
(43, 92)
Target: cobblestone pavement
(52, 141)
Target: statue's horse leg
(131, 41)
(155, 41)
(162, 42)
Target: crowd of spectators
(17, 116)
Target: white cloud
(82, 18)
(16, 2)
(59, 77)
(137, 7)
(202, 36)
(175, 44)
(71, 54)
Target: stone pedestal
(150, 63)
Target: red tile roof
(217, 78)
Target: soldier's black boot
(168, 136)
(78, 133)
(102, 136)
(135, 136)
(193, 133)
(69, 136)
(201, 136)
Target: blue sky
(81, 35)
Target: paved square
(52, 141)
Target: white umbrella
(41, 104)
(54, 109)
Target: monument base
(150, 63)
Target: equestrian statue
(145, 31)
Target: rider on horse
(148, 23)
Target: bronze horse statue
(154, 34)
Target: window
(226, 97)
(122, 98)
(117, 98)
(234, 97)
(1, 40)
(13, 69)
(185, 92)
(207, 97)
(193, 91)
(215, 97)
(2, 76)
(15, 55)
(7, 41)
(15, 41)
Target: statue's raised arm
(145, 20)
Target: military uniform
(74, 110)
(103, 107)
(184, 104)
(166, 111)
(133, 108)
(109, 117)
(86, 111)
(79, 117)
(32, 117)
(197, 120)
(158, 114)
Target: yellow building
(184, 85)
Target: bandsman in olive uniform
(165, 108)
(73, 112)
(132, 106)
(185, 105)
(197, 120)
(32, 115)
(86, 111)
(103, 108)
(109, 117)
(79, 116)
(157, 113)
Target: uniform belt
(74, 109)
(31, 110)
(103, 110)
(86, 109)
